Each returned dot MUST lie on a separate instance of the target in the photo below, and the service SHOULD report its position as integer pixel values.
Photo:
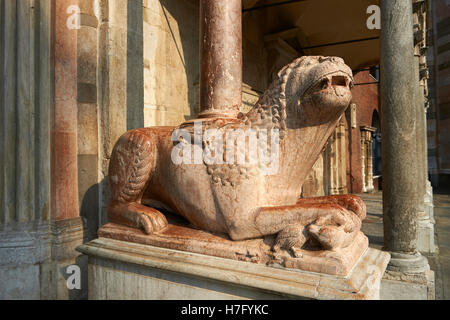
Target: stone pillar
(343, 188)
(331, 165)
(87, 118)
(367, 157)
(370, 186)
(400, 170)
(72, 92)
(65, 144)
(425, 220)
(420, 133)
(335, 171)
(39, 217)
(363, 161)
(25, 121)
(221, 58)
(105, 133)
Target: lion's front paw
(152, 221)
(291, 238)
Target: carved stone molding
(35, 243)
(25, 243)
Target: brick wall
(366, 98)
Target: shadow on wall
(135, 66)
(78, 280)
(93, 215)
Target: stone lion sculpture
(301, 109)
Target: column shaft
(65, 143)
(25, 103)
(8, 112)
(25, 121)
(398, 92)
(420, 133)
(221, 58)
(425, 222)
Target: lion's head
(318, 87)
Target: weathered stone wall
(109, 96)
(120, 89)
(171, 61)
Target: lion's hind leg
(132, 164)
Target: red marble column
(221, 58)
(64, 134)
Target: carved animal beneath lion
(304, 105)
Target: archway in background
(376, 148)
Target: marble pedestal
(125, 270)
(180, 235)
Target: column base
(34, 257)
(67, 235)
(408, 263)
(408, 277)
(402, 286)
(124, 270)
(23, 247)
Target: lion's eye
(322, 84)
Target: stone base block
(20, 282)
(125, 270)
(179, 236)
(425, 225)
(426, 237)
(401, 286)
(34, 258)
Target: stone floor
(439, 262)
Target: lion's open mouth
(339, 82)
